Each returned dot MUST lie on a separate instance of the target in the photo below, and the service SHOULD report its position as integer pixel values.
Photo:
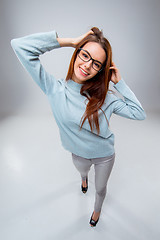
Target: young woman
(82, 104)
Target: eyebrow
(91, 56)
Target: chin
(80, 79)
(83, 80)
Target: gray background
(39, 186)
(131, 26)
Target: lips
(83, 72)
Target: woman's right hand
(73, 42)
(77, 40)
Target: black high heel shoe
(84, 189)
(92, 222)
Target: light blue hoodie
(68, 105)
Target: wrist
(66, 42)
(117, 81)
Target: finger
(113, 64)
(88, 33)
(114, 68)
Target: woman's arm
(66, 42)
(28, 49)
(130, 107)
(72, 42)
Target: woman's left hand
(116, 77)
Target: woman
(82, 103)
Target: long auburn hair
(98, 86)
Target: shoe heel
(84, 189)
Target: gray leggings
(103, 167)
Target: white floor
(40, 196)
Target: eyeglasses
(86, 57)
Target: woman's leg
(83, 165)
(102, 173)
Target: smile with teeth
(84, 72)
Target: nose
(88, 64)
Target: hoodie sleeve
(130, 107)
(28, 49)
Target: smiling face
(84, 71)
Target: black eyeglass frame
(93, 60)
